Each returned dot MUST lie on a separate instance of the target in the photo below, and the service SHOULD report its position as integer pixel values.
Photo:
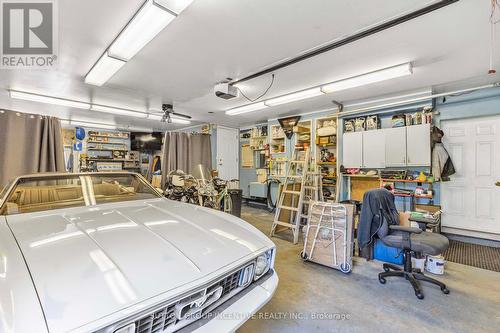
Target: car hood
(89, 262)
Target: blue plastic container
(386, 253)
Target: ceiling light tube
(246, 108)
(180, 121)
(293, 97)
(119, 111)
(92, 125)
(103, 70)
(175, 6)
(356, 81)
(139, 129)
(173, 119)
(369, 78)
(48, 99)
(144, 26)
(422, 93)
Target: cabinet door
(352, 150)
(395, 147)
(374, 149)
(418, 147)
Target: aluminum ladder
(294, 187)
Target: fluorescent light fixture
(390, 98)
(174, 119)
(368, 78)
(155, 116)
(356, 81)
(103, 70)
(246, 108)
(139, 129)
(144, 26)
(180, 121)
(119, 111)
(92, 125)
(48, 99)
(296, 96)
(176, 6)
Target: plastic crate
(386, 253)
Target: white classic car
(105, 252)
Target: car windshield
(42, 193)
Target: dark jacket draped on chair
(376, 203)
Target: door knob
(497, 183)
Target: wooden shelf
(106, 142)
(359, 176)
(418, 196)
(404, 181)
(110, 136)
(106, 149)
(108, 159)
(301, 130)
(326, 163)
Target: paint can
(435, 265)
(418, 263)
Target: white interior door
(228, 153)
(471, 200)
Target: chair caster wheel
(419, 295)
(382, 280)
(345, 268)
(445, 290)
(303, 255)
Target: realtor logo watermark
(29, 34)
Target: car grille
(164, 319)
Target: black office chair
(411, 240)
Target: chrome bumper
(236, 311)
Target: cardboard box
(404, 219)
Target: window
(44, 193)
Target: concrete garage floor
(365, 305)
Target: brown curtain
(29, 144)
(185, 151)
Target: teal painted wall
(485, 102)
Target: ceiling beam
(350, 39)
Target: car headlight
(263, 263)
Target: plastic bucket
(435, 265)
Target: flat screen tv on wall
(145, 141)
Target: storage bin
(386, 253)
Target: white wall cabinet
(352, 150)
(395, 146)
(418, 147)
(391, 147)
(374, 149)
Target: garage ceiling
(213, 40)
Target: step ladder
(289, 210)
(312, 188)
